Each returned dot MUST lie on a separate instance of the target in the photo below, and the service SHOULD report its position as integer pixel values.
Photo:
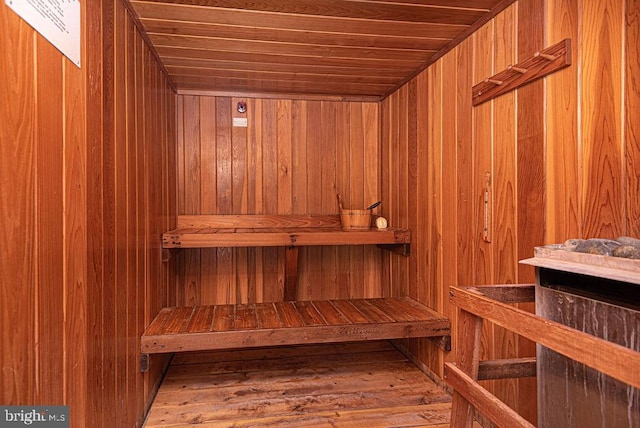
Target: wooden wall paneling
(292, 157)
(309, 278)
(49, 386)
(564, 213)
(17, 213)
(431, 200)
(92, 62)
(391, 145)
(206, 266)
(386, 128)
(448, 188)
(255, 194)
(351, 148)
(531, 174)
(75, 229)
(167, 221)
(79, 173)
(109, 291)
(156, 285)
(374, 259)
(143, 310)
(190, 124)
(181, 160)
(482, 155)
(120, 211)
(417, 112)
(504, 236)
(134, 379)
(563, 201)
(299, 181)
(413, 205)
(601, 115)
(398, 145)
(299, 159)
(530, 123)
(272, 257)
(180, 193)
(351, 192)
(328, 193)
(283, 153)
(464, 171)
(464, 157)
(403, 172)
(147, 161)
(172, 179)
(245, 289)
(205, 124)
(632, 118)
(432, 197)
(162, 221)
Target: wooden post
(291, 273)
(467, 360)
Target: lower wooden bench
(180, 329)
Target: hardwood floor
(348, 385)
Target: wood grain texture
(567, 171)
(531, 172)
(290, 159)
(602, 123)
(323, 48)
(18, 157)
(50, 240)
(564, 206)
(504, 187)
(298, 322)
(76, 157)
(632, 120)
(315, 385)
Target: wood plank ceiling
(343, 49)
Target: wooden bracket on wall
(400, 249)
(538, 65)
(169, 253)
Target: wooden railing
(492, 303)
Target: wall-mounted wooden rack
(540, 64)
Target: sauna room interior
(175, 254)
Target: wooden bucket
(354, 219)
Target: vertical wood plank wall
(87, 173)
(562, 153)
(292, 158)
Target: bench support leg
(467, 360)
(291, 273)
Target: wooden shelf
(286, 237)
(199, 328)
(291, 231)
(273, 231)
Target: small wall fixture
(241, 107)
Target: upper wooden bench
(290, 231)
(206, 231)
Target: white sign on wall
(57, 20)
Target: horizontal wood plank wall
(293, 157)
(563, 164)
(87, 166)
